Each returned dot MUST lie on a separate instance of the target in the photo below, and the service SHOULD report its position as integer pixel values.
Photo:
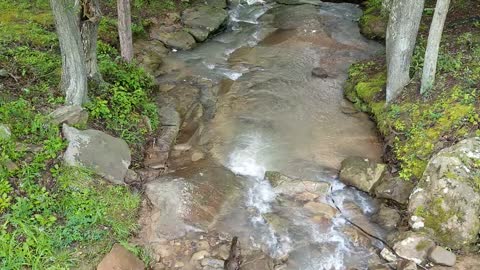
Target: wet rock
(106, 155)
(395, 189)
(276, 222)
(5, 132)
(446, 200)
(361, 173)
(357, 237)
(287, 186)
(119, 258)
(212, 263)
(150, 54)
(299, 2)
(413, 246)
(212, 3)
(406, 265)
(177, 39)
(321, 208)
(388, 255)
(186, 200)
(379, 267)
(306, 196)
(357, 217)
(71, 115)
(441, 256)
(320, 73)
(205, 19)
(387, 217)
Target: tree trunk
(89, 22)
(125, 29)
(433, 45)
(74, 75)
(402, 30)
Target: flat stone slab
(106, 155)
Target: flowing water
(272, 114)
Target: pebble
(197, 256)
(214, 263)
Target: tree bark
(74, 75)
(125, 29)
(433, 45)
(89, 22)
(402, 30)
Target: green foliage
(122, 105)
(61, 209)
(373, 21)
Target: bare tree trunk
(125, 29)
(402, 30)
(433, 45)
(74, 75)
(89, 22)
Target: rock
(119, 258)
(406, 265)
(187, 199)
(276, 222)
(441, 256)
(131, 177)
(197, 155)
(287, 186)
(395, 189)
(213, 263)
(447, 199)
(387, 217)
(361, 173)
(388, 255)
(321, 208)
(150, 54)
(70, 114)
(177, 39)
(373, 24)
(5, 132)
(306, 196)
(212, 3)
(467, 262)
(356, 215)
(10, 165)
(299, 2)
(320, 73)
(204, 20)
(197, 256)
(413, 246)
(106, 155)
(3, 73)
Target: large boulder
(119, 258)
(446, 202)
(202, 21)
(106, 155)
(395, 189)
(361, 173)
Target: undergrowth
(415, 127)
(53, 216)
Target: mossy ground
(53, 216)
(415, 126)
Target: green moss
(434, 217)
(373, 22)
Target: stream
(272, 114)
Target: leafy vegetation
(53, 216)
(415, 126)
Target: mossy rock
(446, 201)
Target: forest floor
(414, 126)
(53, 216)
